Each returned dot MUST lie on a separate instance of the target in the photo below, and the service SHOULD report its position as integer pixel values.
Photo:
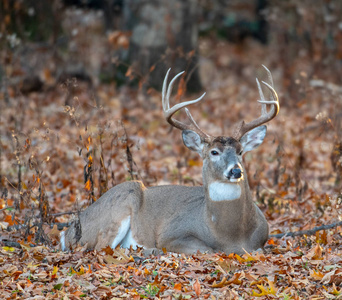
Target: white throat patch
(219, 191)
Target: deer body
(155, 223)
(218, 216)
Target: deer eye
(214, 152)
(240, 153)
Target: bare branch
(306, 232)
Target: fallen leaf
(197, 288)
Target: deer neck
(224, 198)
(229, 206)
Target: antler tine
(164, 90)
(269, 74)
(166, 101)
(196, 125)
(265, 116)
(263, 106)
(169, 112)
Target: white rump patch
(62, 240)
(124, 236)
(219, 191)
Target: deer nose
(236, 173)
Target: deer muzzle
(235, 174)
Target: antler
(169, 112)
(265, 116)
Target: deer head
(222, 155)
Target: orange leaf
(191, 53)
(194, 163)
(316, 275)
(81, 271)
(22, 205)
(178, 287)
(129, 73)
(16, 274)
(234, 279)
(152, 68)
(197, 287)
(78, 293)
(315, 253)
(181, 88)
(221, 284)
(271, 242)
(9, 220)
(89, 270)
(87, 185)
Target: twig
(8, 207)
(129, 156)
(60, 226)
(15, 244)
(63, 213)
(306, 232)
(11, 244)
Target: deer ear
(252, 139)
(193, 141)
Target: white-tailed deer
(218, 216)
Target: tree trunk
(164, 34)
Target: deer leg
(152, 251)
(123, 231)
(260, 235)
(188, 245)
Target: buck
(218, 216)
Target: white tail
(218, 216)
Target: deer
(219, 216)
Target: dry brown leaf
(334, 276)
(197, 288)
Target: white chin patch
(236, 179)
(220, 191)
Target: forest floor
(50, 138)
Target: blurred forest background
(80, 105)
